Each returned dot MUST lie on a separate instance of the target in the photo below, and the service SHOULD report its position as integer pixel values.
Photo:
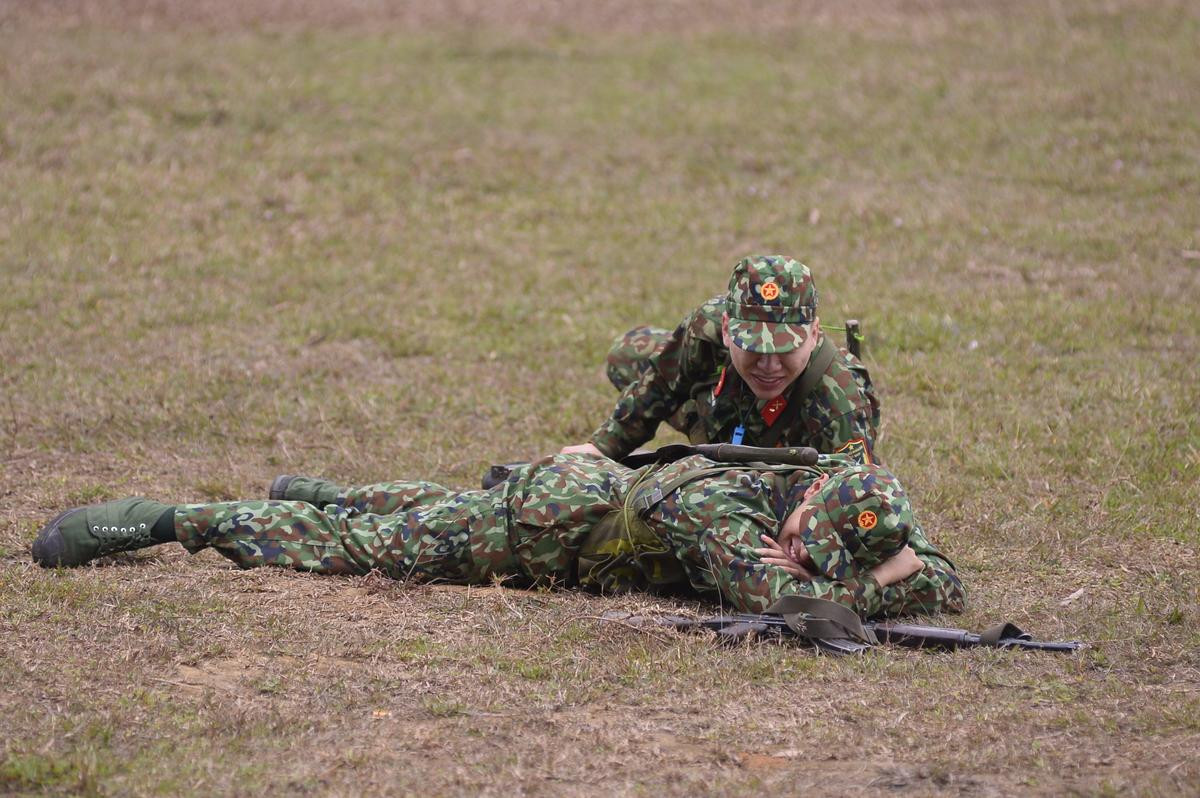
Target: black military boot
(318, 492)
(82, 534)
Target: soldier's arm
(752, 585)
(935, 588)
(730, 562)
(846, 430)
(851, 411)
(653, 397)
(861, 594)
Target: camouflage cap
(862, 518)
(771, 304)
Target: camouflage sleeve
(726, 561)
(845, 430)
(751, 585)
(936, 588)
(652, 398)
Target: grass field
(369, 239)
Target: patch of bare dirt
(243, 672)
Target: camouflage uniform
(685, 377)
(531, 529)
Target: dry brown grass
(537, 17)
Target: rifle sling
(1002, 631)
(819, 618)
(818, 364)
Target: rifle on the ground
(835, 629)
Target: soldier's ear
(726, 338)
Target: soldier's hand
(898, 567)
(774, 554)
(582, 448)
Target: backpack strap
(644, 498)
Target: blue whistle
(739, 432)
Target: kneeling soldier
(750, 366)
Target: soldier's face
(789, 538)
(770, 375)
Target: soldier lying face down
(745, 534)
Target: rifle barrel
(1039, 645)
(917, 636)
(906, 634)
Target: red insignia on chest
(720, 384)
(772, 409)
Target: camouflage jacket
(714, 526)
(707, 530)
(687, 373)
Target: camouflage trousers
(629, 358)
(529, 527)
